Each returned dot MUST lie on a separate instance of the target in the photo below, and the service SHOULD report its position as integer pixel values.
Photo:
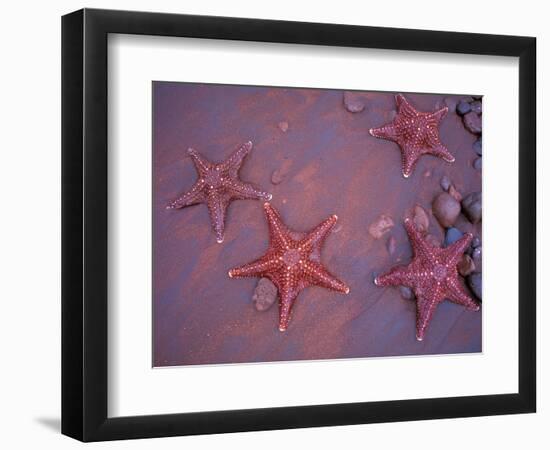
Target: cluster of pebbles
(447, 206)
(470, 110)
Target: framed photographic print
(276, 225)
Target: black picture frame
(84, 224)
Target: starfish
(292, 262)
(432, 275)
(218, 185)
(415, 132)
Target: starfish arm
(420, 246)
(319, 233)
(409, 157)
(259, 268)
(233, 163)
(201, 163)
(425, 308)
(398, 276)
(453, 253)
(192, 197)
(317, 275)
(404, 107)
(240, 190)
(438, 115)
(287, 295)
(441, 151)
(388, 132)
(278, 231)
(217, 206)
(457, 294)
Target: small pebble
(283, 126)
(353, 102)
(427, 174)
(279, 175)
(476, 242)
(463, 107)
(276, 177)
(477, 164)
(474, 281)
(476, 106)
(476, 254)
(265, 294)
(477, 146)
(446, 209)
(466, 266)
(472, 122)
(471, 206)
(420, 219)
(381, 226)
(452, 235)
(406, 292)
(445, 183)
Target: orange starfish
(292, 263)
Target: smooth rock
(476, 106)
(466, 266)
(471, 205)
(477, 146)
(279, 175)
(476, 255)
(391, 245)
(381, 226)
(265, 294)
(474, 281)
(463, 107)
(446, 209)
(406, 292)
(472, 122)
(420, 219)
(476, 242)
(353, 102)
(445, 183)
(477, 164)
(452, 235)
(283, 126)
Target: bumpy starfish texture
(292, 263)
(218, 185)
(432, 275)
(416, 132)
